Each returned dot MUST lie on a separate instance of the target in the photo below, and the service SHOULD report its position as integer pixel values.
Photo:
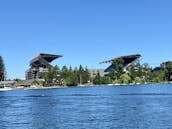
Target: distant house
(129, 60)
(7, 84)
(94, 72)
(25, 83)
(16, 84)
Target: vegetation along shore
(80, 76)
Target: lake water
(105, 107)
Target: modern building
(129, 60)
(39, 65)
(94, 72)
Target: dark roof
(156, 69)
(47, 57)
(126, 59)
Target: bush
(105, 80)
(125, 79)
(72, 80)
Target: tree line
(135, 74)
(67, 76)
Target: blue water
(106, 107)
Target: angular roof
(127, 58)
(44, 58)
(47, 57)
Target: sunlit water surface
(105, 107)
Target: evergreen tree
(105, 80)
(168, 70)
(64, 72)
(56, 70)
(49, 75)
(2, 69)
(125, 79)
(86, 75)
(112, 74)
(70, 69)
(72, 79)
(80, 74)
(119, 66)
(97, 79)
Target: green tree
(146, 72)
(168, 70)
(64, 72)
(72, 79)
(142, 72)
(119, 66)
(83, 75)
(86, 75)
(134, 73)
(57, 75)
(97, 79)
(2, 69)
(157, 77)
(80, 74)
(106, 80)
(49, 76)
(112, 74)
(125, 78)
(56, 70)
(52, 75)
(137, 80)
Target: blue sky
(84, 31)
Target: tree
(97, 79)
(141, 72)
(52, 75)
(72, 79)
(64, 72)
(134, 73)
(167, 66)
(146, 72)
(125, 78)
(83, 75)
(105, 80)
(112, 74)
(56, 70)
(86, 76)
(2, 69)
(80, 74)
(159, 76)
(49, 75)
(57, 75)
(119, 67)
(137, 80)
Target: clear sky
(84, 31)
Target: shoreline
(32, 88)
(61, 87)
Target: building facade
(128, 62)
(39, 65)
(94, 72)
